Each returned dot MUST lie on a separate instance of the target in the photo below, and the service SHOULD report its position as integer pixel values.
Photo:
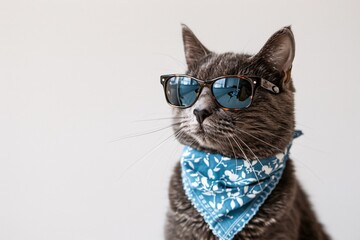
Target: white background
(77, 75)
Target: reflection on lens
(232, 92)
(182, 91)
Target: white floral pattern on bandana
(228, 192)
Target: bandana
(228, 192)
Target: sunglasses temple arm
(269, 86)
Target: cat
(264, 128)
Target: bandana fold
(228, 192)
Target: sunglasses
(230, 92)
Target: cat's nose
(201, 114)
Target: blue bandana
(228, 192)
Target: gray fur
(263, 130)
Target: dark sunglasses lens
(232, 92)
(182, 91)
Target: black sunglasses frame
(254, 81)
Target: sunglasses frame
(254, 81)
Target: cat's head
(263, 129)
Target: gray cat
(258, 130)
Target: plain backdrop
(78, 77)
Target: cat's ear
(279, 50)
(194, 49)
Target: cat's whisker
(300, 161)
(147, 133)
(157, 161)
(176, 135)
(259, 139)
(256, 158)
(234, 153)
(145, 156)
(157, 119)
(179, 134)
(281, 127)
(264, 132)
(246, 158)
(267, 131)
